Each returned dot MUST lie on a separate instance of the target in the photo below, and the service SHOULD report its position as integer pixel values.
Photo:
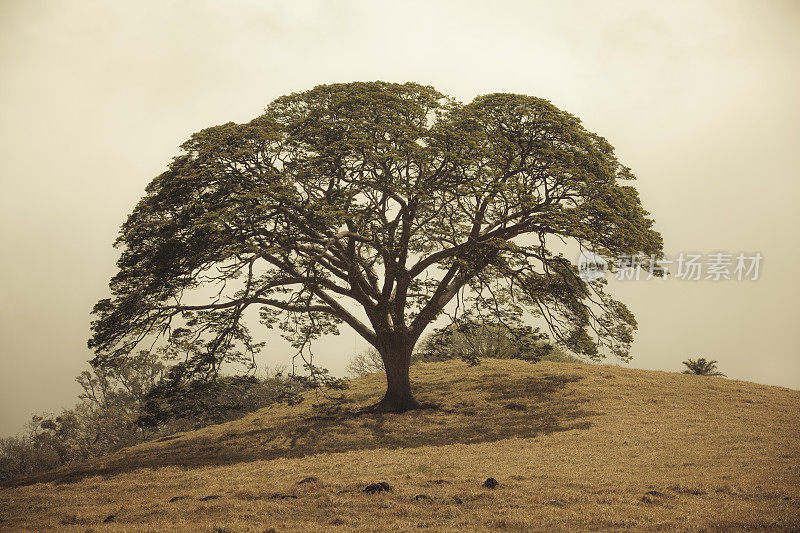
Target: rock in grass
(374, 488)
(309, 479)
(652, 496)
(490, 483)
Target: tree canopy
(379, 206)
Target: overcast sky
(700, 99)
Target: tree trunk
(398, 397)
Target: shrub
(701, 367)
(472, 341)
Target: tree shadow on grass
(496, 407)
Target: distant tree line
(472, 340)
(138, 400)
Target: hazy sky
(702, 100)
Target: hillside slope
(573, 447)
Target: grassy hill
(573, 447)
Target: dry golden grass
(574, 447)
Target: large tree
(381, 206)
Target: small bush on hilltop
(701, 367)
